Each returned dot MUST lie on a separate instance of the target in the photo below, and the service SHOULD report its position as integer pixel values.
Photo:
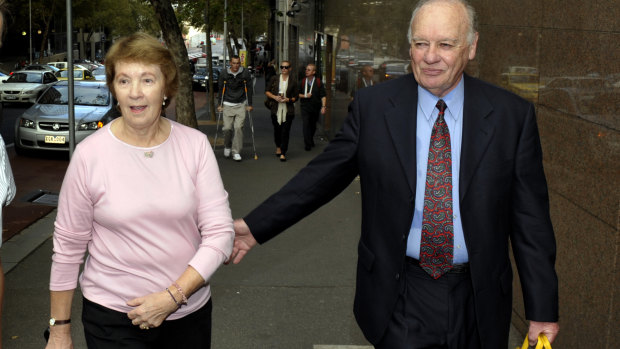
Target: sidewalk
(294, 292)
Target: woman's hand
(60, 337)
(151, 310)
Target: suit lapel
(477, 132)
(400, 118)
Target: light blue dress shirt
(426, 116)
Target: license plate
(10, 97)
(55, 139)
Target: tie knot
(441, 105)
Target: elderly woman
(144, 197)
(282, 90)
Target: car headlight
(89, 126)
(27, 92)
(26, 123)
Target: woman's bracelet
(184, 301)
(174, 299)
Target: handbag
(543, 343)
(269, 103)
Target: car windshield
(26, 77)
(201, 71)
(99, 71)
(96, 95)
(396, 67)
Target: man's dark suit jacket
(503, 195)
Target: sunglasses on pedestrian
(285, 66)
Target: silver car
(25, 86)
(45, 125)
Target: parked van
(59, 65)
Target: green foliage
(255, 16)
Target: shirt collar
(454, 100)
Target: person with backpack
(313, 99)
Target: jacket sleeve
(533, 240)
(248, 87)
(320, 181)
(220, 85)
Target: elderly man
(451, 171)
(313, 99)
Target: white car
(25, 86)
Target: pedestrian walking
(366, 80)
(151, 212)
(281, 95)
(451, 177)
(270, 71)
(236, 101)
(313, 101)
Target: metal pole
(225, 34)
(70, 79)
(30, 46)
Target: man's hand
(219, 109)
(549, 329)
(244, 241)
(249, 108)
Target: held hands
(550, 329)
(151, 310)
(60, 337)
(244, 241)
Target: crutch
(219, 115)
(250, 117)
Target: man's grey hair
(469, 10)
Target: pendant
(148, 154)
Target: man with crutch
(235, 101)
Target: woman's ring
(144, 327)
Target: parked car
(99, 73)
(200, 79)
(395, 67)
(43, 67)
(25, 86)
(59, 65)
(522, 81)
(78, 74)
(45, 125)
(395, 70)
(590, 97)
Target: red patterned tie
(437, 245)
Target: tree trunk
(185, 110)
(46, 20)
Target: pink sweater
(143, 219)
